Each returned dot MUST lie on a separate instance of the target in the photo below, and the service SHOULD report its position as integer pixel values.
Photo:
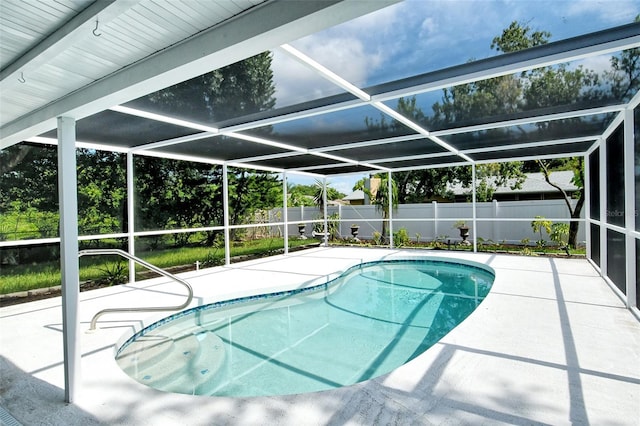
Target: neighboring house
(533, 188)
(359, 197)
(356, 198)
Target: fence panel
(507, 221)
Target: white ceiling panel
(23, 24)
(50, 53)
(108, 39)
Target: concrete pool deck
(551, 344)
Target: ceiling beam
(261, 28)
(64, 37)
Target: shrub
(401, 237)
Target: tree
(101, 192)
(380, 197)
(308, 195)
(624, 75)
(577, 166)
(250, 192)
(190, 194)
(242, 88)
(559, 85)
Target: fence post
(435, 219)
(494, 223)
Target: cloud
(418, 36)
(346, 56)
(296, 83)
(344, 184)
(613, 12)
(598, 64)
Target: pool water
(371, 320)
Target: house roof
(355, 195)
(534, 183)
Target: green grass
(47, 274)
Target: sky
(418, 36)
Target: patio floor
(551, 344)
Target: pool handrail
(122, 253)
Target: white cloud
(598, 64)
(613, 12)
(428, 28)
(418, 36)
(346, 56)
(344, 184)
(295, 83)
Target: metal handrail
(98, 252)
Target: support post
(587, 205)
(285, 213)
(324, 209)
(629, 206)
(131, 219)
(474, 208)
(390, 218)
(603, 208)
(69, 264)
(225, 206)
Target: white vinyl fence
(507, 221)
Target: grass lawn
(114, 270)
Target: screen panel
(615, 178)
(594, 254)
(617, 259)
(594, 184)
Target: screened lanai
(129, 76)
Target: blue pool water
(372, 319)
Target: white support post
(473, 208)
(587, 205)
(390, 218)
(69, 264)
(324, 209)
(629, 206)
(225, 206)
(131, 219)
(285, 215)
(603, 208)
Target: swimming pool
(370, 320)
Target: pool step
(191, 361)
(144, 352)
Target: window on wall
(595, 244)
(615, 178)
(616, 259)
(594, 185)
